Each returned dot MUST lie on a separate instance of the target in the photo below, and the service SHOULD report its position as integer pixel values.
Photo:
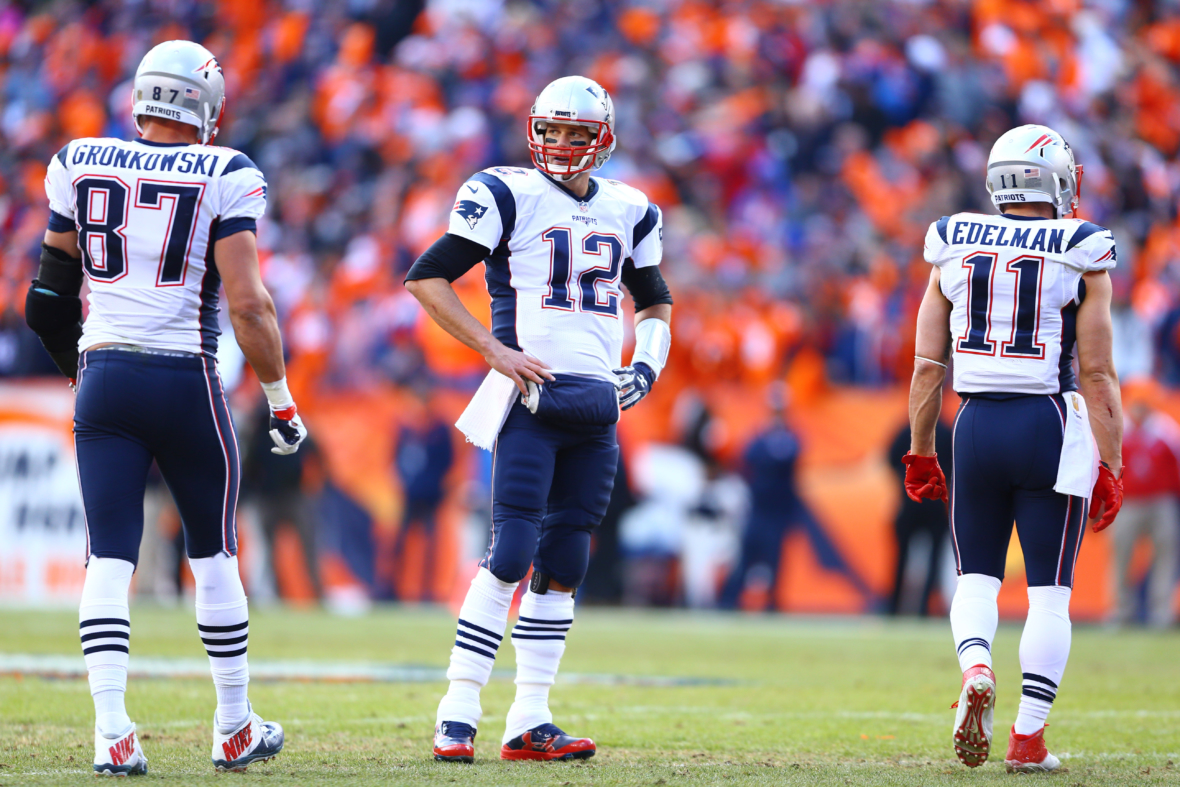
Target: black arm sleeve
(53, 309)
(646, 285)
(448, 258)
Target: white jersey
(556, 262)
(147, 215)
(1015, 283)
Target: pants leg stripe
(237, 476)
(1064, 536)
(954, 483)
(78, 467)
(225, 452)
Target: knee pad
(564, 557)
(514, 542)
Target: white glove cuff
(279, 395)
(653, 339)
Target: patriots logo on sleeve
(470, 210)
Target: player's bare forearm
(1098, 381)
(63, 241)
(660, 311)
(251, 310)
(440, 301)
(438, 298)
(932, 344)
(256, 327)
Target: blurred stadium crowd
(798, 150)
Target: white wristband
(278, 394)
(653, 339)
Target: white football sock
(223, 620)
(539, 640)
(482, 620)
(974, 617)
(104, 625)
(1044, 650)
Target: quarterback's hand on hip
(518, 366)
(635, 382)
(923, 478)
(1107, 498)
(287, 430)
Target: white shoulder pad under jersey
(556, 261)
(1015, 284)
(147, 216)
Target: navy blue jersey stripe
(59, 223)
(61, 155)
(473, 649)
(1066, 379)
(234, 226)
(645, 226)
(240, 161)
(942, 225)
(1081, 233)
(498, 275)
(210, 285)
(480, 629)
(505, 202)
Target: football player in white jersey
(1010, 298)
(556, 244)
(158, 225)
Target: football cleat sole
(121, 771)
(240, 767)
(463, 758)
(972, 739)
(1048, 766)
(515, 754)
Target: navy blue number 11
(1026, 315)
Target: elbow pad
(59, 272)
(57, 321)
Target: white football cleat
(118, 755)
(973, 722)
(255, 741)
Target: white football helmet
(1034, 164)
(180, 80)
(575, 101)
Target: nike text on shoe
(255, 741)
(1028, 754)
(973, 722)
(547, 742)
(119, 755)
(454, 741)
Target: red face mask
(1077, 194)
(559, 159)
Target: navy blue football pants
(550, 488)
(1007, 449)
(135, 407)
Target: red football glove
(1108, 495)
(923, 478)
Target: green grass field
(783, 701)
